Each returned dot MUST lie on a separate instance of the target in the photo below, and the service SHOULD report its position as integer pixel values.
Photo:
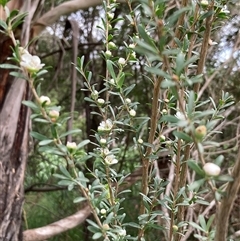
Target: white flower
(108, 53)
(103, 211)
(210, 42)
(112, 81)
(122, 232)
(122, 61)
(180, 115)
(131, 46)
(101, 101)
(132, 112)
(140, 141)
(71, 145)
(45, 99)
(128, 101)
(54, 113)
(211, 169)
(110, 159)
(105, 125)
(110, 16)
(105, 151)
(31, 63)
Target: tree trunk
(13, 148)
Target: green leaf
(194, 225)
(3, 25)
(195, 167)
(45, 142)
(191, 103)
(4, 2)
(169, 118)
(8, 66)
(65, 182)
(65, 171)
(17, 74)
(180, 63)
(79, 199)
(196, 184)
(97, 235)
(110, 69)
(83, 143)
(92, 223)
(182, 135)
(202, 222)
(38, 136)
(30, 104)
(120, 80)
(224, 178)
(146, 37)
(75, 131)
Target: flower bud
(112, 45)
(110, 16)
(200, 132)
(106, 226)
(211, 169)
(132, 112)
(140, 141)
(101, 101)
(94, 94)
(162, 138)
(108, 53)
(131, 46)
(204, 3)
(103, 141)
(103, 211)
(54, 113)
(71, 146)
(128, 101)
(44, 100)
(122, 61)
(175, 228)
(122, 232)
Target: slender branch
(227, 203)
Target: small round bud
(121, 61)
(140, 141)
(132, 113)
(94, 94)
(200, 132)
(112, 45)
(103, 141)
(71, 145)
(211, 169)
(44, 100)
(175, 228)
(100, 101)
(108, 53)
(166, 100)
(110, 16)
(204, 3)
(54, 113)
(103, 211)
(162, 138)
(106, 226)
(128, 101)
(122, 232)
(164, 111)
